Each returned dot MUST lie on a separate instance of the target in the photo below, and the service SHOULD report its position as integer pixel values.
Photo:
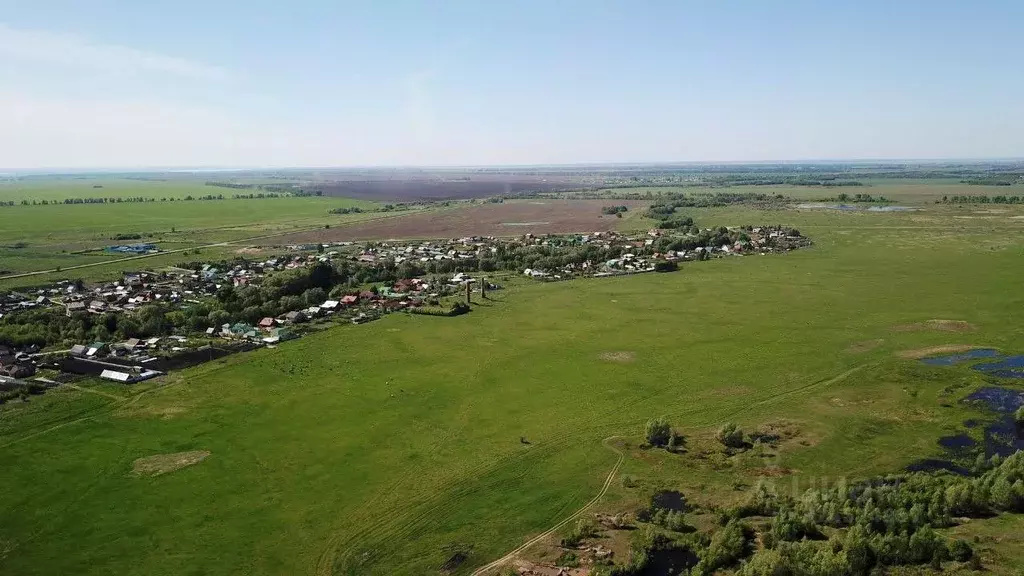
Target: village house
(73, 307)
(295, 316)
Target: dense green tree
(730, 435)
(658, 431)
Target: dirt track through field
(339, 548)
(607, 483)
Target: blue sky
(326, 83)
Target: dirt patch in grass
(537, 569)
(731, 391)
(938, 325)
(621, 357)
(162, 412)
(459, 553)
(776, 431)
(772, 471)
(864, 346)
(165, 463)
(918, 353)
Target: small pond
(957, 442)
(672, 500)
(951, 359)
(1009, 367)
(666, 561)
(936, 465)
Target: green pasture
(384, 448)
(86, 225)
(55, 189)
(37, 238)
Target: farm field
(34, 238)
(510, 218)
(910, 191)
(78, 225)
(87, 186)
(385, 448)
(442, 185)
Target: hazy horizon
(100, 170)
(143, 87)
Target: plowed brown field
(508, 219)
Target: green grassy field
(376, 449)
(59, 189)
(35, 238)
(86, 225)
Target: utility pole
(483, 288)
(469, 287)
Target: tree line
(358, 210)
(187, 198)
(991, 181)
(861, 198)
(981, 199)
(274, 188)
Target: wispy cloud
(78, 52)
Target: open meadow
(424, 445)
(37, 238)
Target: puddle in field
(669, 500)
(951, 359)
(1009, 367)
(936, 465)
(957, 442)
(1002, 436)
(998, 399)
(669, 561)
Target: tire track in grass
(117, 403)
(772, 398)
(340, 548)
(445, 499)
(604, 489)
(802, 389)
(113, 397)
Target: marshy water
(1007, 367)
(951, 359)
(1002, 436)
